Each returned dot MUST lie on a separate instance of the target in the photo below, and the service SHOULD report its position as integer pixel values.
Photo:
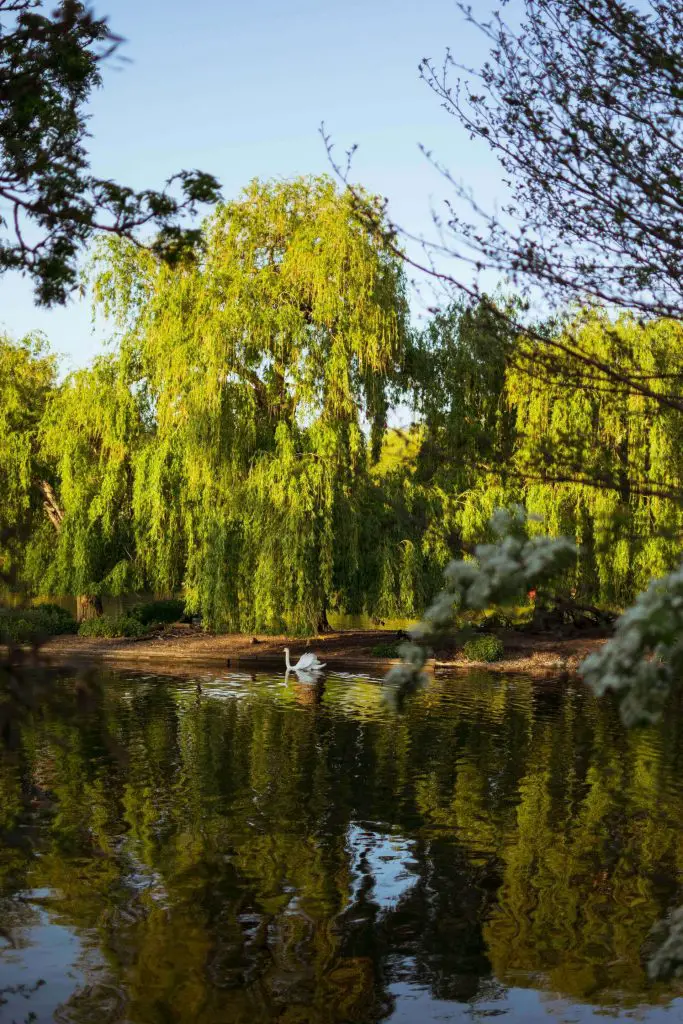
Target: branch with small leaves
(51, 206)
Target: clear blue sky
(239, 89)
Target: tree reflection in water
(251, 852)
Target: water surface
(244, 850)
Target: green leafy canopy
(223, 446)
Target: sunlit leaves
(258, 363)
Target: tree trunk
(51, 505)
(88, 607)
(323, 625)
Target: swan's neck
(288, 663)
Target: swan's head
(285, 650)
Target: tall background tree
(27, 379)
(262, 357)
(600, 462)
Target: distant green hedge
(29, 625)
(483, 648)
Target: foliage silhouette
(49, 66)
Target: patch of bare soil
(182, 648)
(534, 654)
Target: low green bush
(170, 610)
(113, 626)
(55, 619)
(483, 648)
(29, 625)
(385, 651)
(104, 626)
(15, 629)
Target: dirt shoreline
(180, 649)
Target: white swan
(313, 678)
(307, 663)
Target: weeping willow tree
(400, 568)
(457, 373)
(599, 461)
(27, 380)
(92, 430)
(254, 369)
(459, 368)
(66, 454)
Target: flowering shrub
(644, 658)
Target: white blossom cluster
(645, 655)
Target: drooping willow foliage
(233, 444)
(92, 431)
(594, 461)
(221, 447)
(603, 464)
(27, 379)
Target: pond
(241, 849)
